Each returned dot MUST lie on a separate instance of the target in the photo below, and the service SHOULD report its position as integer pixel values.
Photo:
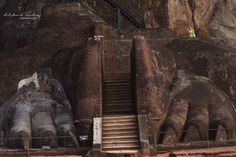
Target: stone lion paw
(38, 115)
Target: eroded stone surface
(170, 74)
(38, 116)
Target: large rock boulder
(180, 15)
(215, 17)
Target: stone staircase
(120, 132)
(118, 98)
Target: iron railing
(130, 10)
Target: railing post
(97, 133)
(119, 18)
(143, 133)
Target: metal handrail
(128, 11)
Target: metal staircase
(126, 8)
(118, 98)
(120, 132)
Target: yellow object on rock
(191, 32)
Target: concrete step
(119, 117)
(118, 105)
(118, 138)
(117, 85)
(116, 93)
(132, 152)
(119, 111)
(118, 108)
(114, 140)
(119, 133)
(227, 155)
(123, 111)
(118, 128)
(124, 97)
(117, 81)
(119, 124)
(121, 120)
(116, 90)
(119, 101)
(118, 142)
(133, 147)
(118, 145)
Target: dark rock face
(56, 43)
(190, 85)
(187, 85)
(216, 17)
(196, 106)
(38, 114)
(15, 31)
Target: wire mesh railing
(43, 146)
(220, 137)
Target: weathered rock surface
(38, 116)
(59, 42)
(15, 32)
(202, 106)
(2, 3)
(199, 97)
(54, 44)
(180, 15)
(215, 17)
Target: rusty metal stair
(118, 98)
(130, 12)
